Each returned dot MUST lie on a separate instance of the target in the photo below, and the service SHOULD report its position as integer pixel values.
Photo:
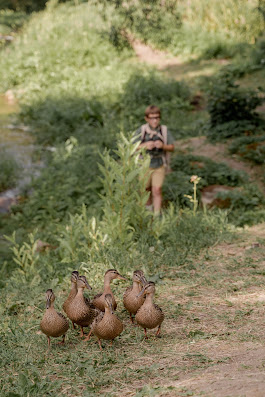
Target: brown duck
(131, 299)
(107, 325)
(73, 292)
(149, 315)
(53, 323)
(80, 310)
(99, 299)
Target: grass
(211, 302)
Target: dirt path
(151, 56)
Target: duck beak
(111, 308)
(143, 281)
(88, 286)
(48, 303)
(141, 293)
(120, 277)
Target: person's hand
(159, 144)
(150, 145)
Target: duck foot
(100, 345)
(88, 336)
(62, 342)
(158, 332)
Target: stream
(19, 143)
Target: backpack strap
(143, 130)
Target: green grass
(217, 314)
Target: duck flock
(98, 314)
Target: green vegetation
(9, 170)
(82, 94)
(249, 147)
(232, 109)
(11, 21)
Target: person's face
(153, 120)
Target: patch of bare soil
(243, 376)
(218, 152)
(151, 56)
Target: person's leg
(157, 199)
(158, 177)
(149, 189)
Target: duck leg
(131, 317)
(82, 332)
(88, 336)
(99, 342)
(158, 332)
(73, 325)
(49, 341)
(145, 334)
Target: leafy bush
(9, 170)
(70, 180)
(55, 120)
(148, 20)
(258, 53)
(249, 147)
(231, 109)
(243, 202)
(142, 90)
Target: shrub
(249, 147)
(142, 90)
(231, 109)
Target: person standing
(158, 142)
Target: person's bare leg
(150, 200)
(157, 199)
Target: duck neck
(107, 289)
(107, 311)
(73, 287)
(80, 292)
(51, 306)
(149, 299)
(136, 287)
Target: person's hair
(152, 109)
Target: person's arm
(166, 148)
(149, 145)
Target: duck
(80, 310)
(99, 299)
(149, 315)
(107, 325)
(53, 323)
(72, 294)
(131, 301)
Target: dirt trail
(158, 58)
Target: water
(19, 143)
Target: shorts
(156, 177)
